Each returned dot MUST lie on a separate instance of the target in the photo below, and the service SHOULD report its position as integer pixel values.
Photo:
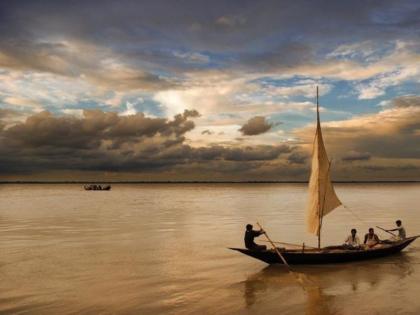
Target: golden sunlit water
(162, 249)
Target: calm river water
(162, 249)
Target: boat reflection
(327, 282)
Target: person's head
(398, 222)
(371, 230)
(249, 227)
(353, 232)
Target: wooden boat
(323, 200)
(97, 187)
(326, 255)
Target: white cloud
(361, 49)
(306, 89)
(43, 89)
(23, 103)
(379, 84)
(401, 64)
(131, 110)
(397, 65)
(208, 94)
(73, 112)
(192, 57)
(225, 134)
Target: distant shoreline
(205, 182)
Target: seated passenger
(250, 234)
(371, 239)
(400, 229)
(352, 241)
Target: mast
(318, 129)
(322, 197)
(317, 108)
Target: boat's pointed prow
(267, 256)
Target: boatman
(352, 241)
(371, 239)
(250, 234)
(400, 229)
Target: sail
(322, 197)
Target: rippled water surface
(162, 249)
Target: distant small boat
(97, 187)
(323, 200)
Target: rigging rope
(356, 216)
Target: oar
(386, 231)
(299, 277)
(275, 248)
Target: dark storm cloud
(262, 152)
(207, 132)
(406, 101)
(8, 116)
(156, 45)
(396, 143)
(46, 130)
(147, 32)
(297, 157)
(284, 56)
(391, 134)
(78, 60)
(406, 167)
(356, 156)
(106, 141)
(255, 126)
(247, 153)
(6, 113)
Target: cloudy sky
(208, 90)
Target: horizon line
(197, 182)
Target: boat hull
(326, 256)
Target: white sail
(322, 197)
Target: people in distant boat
(401, 231)
(371, 239)
(250, 234)
(352, 241)
(97, 187)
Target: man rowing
(400, 229)
(250, 234)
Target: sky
(208, 90)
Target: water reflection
(327, 283)
(161, 249)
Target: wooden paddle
(301, 278)
(274, 247)
(386, 231)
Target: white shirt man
(352, 240)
